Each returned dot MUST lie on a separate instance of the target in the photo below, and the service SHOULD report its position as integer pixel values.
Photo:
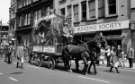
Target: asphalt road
(39, 75)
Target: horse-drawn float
(53, 44)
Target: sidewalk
(127, 67)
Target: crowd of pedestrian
(115, 57)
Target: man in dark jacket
(131, 57)
(93, 62)
(9, 55)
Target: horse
(86, 51)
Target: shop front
(115, 33)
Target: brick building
(28, 13)
(111, 17)
(12, 18)
(4, 34)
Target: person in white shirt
(108, 53)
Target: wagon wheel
(51, 63)
(83, 65)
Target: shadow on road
(17, 73)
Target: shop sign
(49, 49)
(102, 27)
(37, 48)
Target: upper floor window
(132, 3)
(84, 10)
(62, 11)
(35, 0)
(76, 13)
(62, 1)
(69, 11)
(101, 8)
(92, 9)
(111, 7)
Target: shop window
(101, 8)
(111, 8)
(76, 13)
(92, 9)
(115, 32)
(84, 11)
(63, 11)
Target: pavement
(32, 74)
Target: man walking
(93, 63)
(131, 57)
(9, 55)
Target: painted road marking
(1, 74)
(94, 79)
(13, 79)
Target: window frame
(69, 11)
(75, 13)
(85, 11)
(61, 10)
(101, 8)
(107, 9)
(95, 9)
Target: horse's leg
(94, 67)
(89, 67)
(77, 64)
(69, 65)
(66, 61)
(85, 65)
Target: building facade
(110, 17)
(4, 34)
(12, 19)
(28, 13)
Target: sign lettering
(102, 27)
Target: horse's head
(93, 47)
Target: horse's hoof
(70, 71)
(84, 73)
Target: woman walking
(20, 56)
(114, 61)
